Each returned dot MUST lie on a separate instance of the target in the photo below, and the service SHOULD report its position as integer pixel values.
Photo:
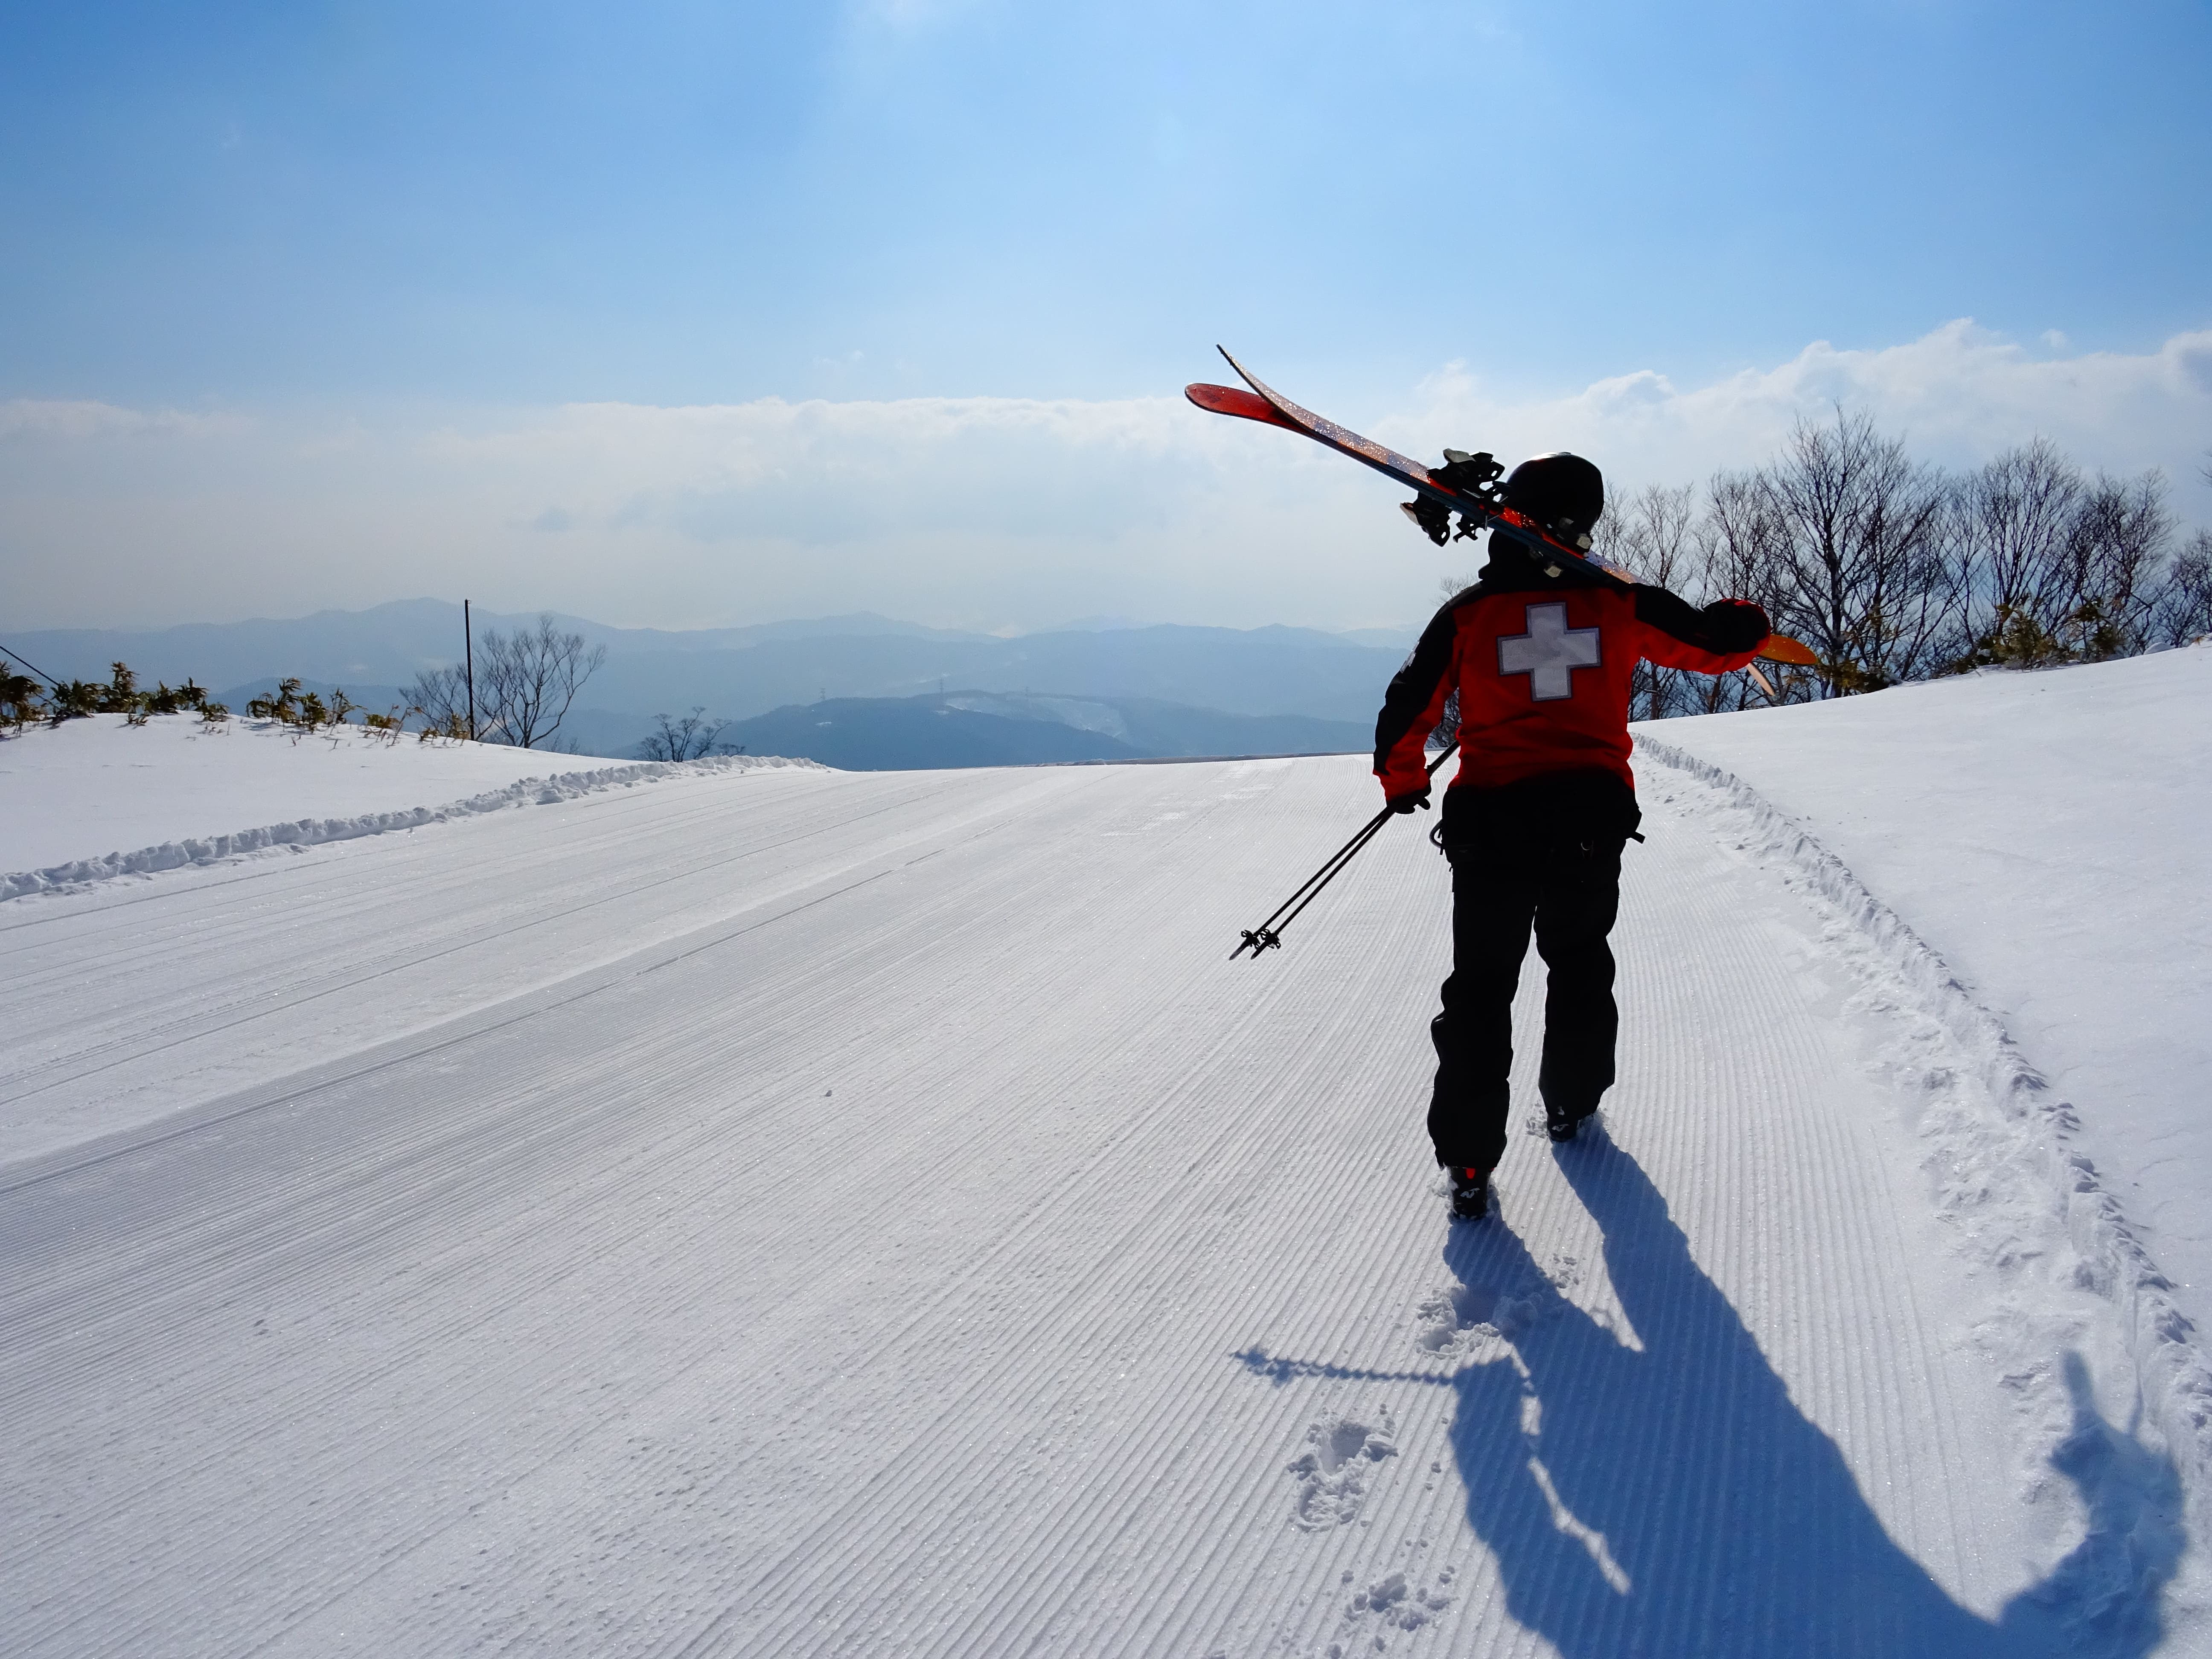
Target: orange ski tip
(1234, 400)
(1780, 647)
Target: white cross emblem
(1548, 653)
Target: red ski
(1476, 504)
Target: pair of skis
(1478, 509)
(1472, 495)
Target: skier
(1538, 655)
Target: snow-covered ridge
(1998, 1140)
(309, 832)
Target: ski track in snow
(814, 1213)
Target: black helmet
(1563, 492)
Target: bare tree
(441, 697)
(2118, 540)
(2015, 522)
(1742, 530)
(2183, 610)
(693, 737)
(1845, 539)
(526, 681)
(1659, 536)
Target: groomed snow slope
(804, 1213)
(2050, 835)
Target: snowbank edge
(80, 873)
(2172, 1375)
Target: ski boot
(1470, 1192)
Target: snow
(2049, 834)
(785, 1212)
(175, 792)
(97, 785)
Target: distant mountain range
(870, 734)
(1150, 691)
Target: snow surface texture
(90, 779)
(2050, 835)
(796, 1212)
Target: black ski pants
(1569, 892)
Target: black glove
(1735, 625)
(1433, 516)
(1410, 799)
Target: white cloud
(77, 420)
(1959, 395)
(981, 512)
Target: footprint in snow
(1455, 1318)
(1389, 1603)
(1333, 1471)
(1451, 1309)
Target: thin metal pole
(469, 648)
(40, 672)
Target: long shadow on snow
(1673, 1502)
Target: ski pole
(1268, 935)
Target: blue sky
(321, 216)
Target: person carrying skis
(1538, 656)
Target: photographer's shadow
(1671, 1500)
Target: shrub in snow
(275, 708)
(388, 725)
(76, 699)
(305, 712)
(167, 699)
(21, 701)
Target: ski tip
(1233, 400)
(1780, 647)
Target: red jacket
(1540, 665)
